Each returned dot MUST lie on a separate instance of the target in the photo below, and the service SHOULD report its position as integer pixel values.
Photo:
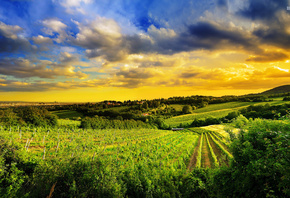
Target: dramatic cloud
(24, 68)
(108, 42)
(269, 57)
(54, 26)
(42, 40)
(192, 45)
(11, 39)
(263, 9)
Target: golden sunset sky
(89, 51)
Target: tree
(232, 115)
(8, 117)
(145, 105)
(186, 109)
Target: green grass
(177, 107)
(118, 108)
(216, 111)
(238, 105)
(63, 114)
(69, 123)
(185, 119)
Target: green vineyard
(157, 149)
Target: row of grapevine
(220, 139)
(122, 148)
(214, 158)
(221, 147)
(198, 161)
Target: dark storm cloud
(10, 41)
(263, 9)
(204, 35)
(276, 37)
(210, 34)
(14, 45)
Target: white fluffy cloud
(10, 31)
(55, 26)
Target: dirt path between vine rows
(218, 152)
(192, 161)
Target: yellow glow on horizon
(119, 94)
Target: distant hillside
(276, 90)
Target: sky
(94, 50)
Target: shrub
(186, 109)
(261, 166)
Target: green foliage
(186, 109)
(28, 115)
(188, 119)
(240, 122)
(266, 111)
(161, 124)
(145, 105)
(229, 156)
(199, 154)
(196, 184)
(14, 171)
(67, 114)
(261, 162)
(77, 177)
(70, 124)
(8, 117)
(232, 115)
(101, 123)
(287, 98)
(142, 162)
(214, 158)
(92, 163)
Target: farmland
(67, 114)
(162, 152)
(125, 147)
(186, 119)
(217, 111)
(108, 156)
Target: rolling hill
(277, 90)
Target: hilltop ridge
(277, 90)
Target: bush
(232, 115)
(261, 166)
(36, 116)
(286, 98)
(101, 123)
(8, 117)
(186, 109)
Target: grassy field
(186, 119)
(63, 114)
(217, 111)
(237, 105)
(219, 128)
(177, 107)
(69, 123)
(117, 108)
